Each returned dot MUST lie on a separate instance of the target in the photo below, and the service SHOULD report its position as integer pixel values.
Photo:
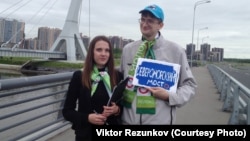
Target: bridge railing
(30, 107)
(236, 97)
(32, 53)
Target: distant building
(116, 41)
(205, 51)
(31, 44)
(126, 41)
(85, 40)
(12, 31)
(46, 37)
(220, 56)
(190, 51)
(205, 54)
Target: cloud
(227, 21)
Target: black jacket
(79, 104)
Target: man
(162, 103)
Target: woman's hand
(97, 119)
(111, 110)
(159, 92)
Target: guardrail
(30, 107)
(236, 97)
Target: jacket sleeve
(186, 86)
(69, 111)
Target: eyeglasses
(148, 21)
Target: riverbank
(38, 66)
(32, 69)
(10, 67)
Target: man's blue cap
(155, 10)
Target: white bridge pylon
(70, 34)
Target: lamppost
(196, 4)
(204, 38)
(198, 35)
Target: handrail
(30, 107)
(30, 81)
(236, 96)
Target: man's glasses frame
(148, 21)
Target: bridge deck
(204, 109)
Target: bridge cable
(18, 8)
(43, 16)
(10, 7)
(79, 17)
(89, 18)
(29, 19)
(4, 44)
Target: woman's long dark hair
(89, 63)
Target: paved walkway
(203, 109)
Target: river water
(5, 74)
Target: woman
(90, 90)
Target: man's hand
(159, 92)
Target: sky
(220, 23)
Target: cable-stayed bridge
(69, 36)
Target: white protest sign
(155, 73)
